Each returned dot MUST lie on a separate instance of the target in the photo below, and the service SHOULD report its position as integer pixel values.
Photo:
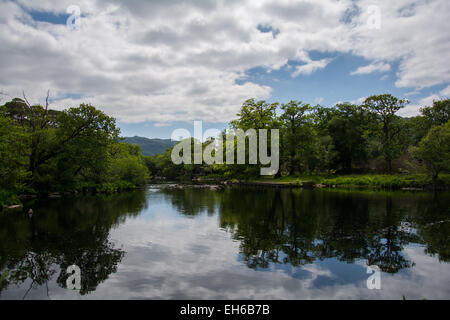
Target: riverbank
(367, 181)
(11, 200)
(417, 182)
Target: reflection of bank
(300, 227)
(61, 233)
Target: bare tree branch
(46, 101)
(29, 105)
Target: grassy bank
(8, 198)
(373, 181)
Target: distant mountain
(150, 147)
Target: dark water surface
(236, 243)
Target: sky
(160, 65)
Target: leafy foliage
(346, 139)
(434, 150)
(43, 151)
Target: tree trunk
(435, 181)
(291, 164)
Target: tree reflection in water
(272, 226)
(299, 227)
(64, 232)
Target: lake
(165, 242)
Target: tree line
(345, 139)
(44, 151)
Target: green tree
(127, 164)
(438, 114)
(37, 122)
(296, 132)
(347, 128)
(53, 151)
(85, 133)
(254, 115)
(387, 125)
(13, 160)
(417, 127)
(434, 150)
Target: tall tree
(37, 122)
(296, 131)
(434, 150)
(62, 148)
(347, 128)
(388, 125)
(13, 154)
(254, 115)
(437, 114)
(84, 135)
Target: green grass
(8, 198)
(378, 181)
(109, 188)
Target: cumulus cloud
(318, 100)
(311, 67)
(414, 110)
(443, 94)
(374, 67)
(184, 60)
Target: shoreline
(60, 194)
(373, 182)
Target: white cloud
(318, 100)
(358, 101)
(161, 124)
(310, 67)
(184, 60)
(412, 93)
(374, 67)
(414, 110)
(445, 93)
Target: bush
(8, 198)
(380, 181)
(114, 187)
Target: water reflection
(64, 232)
(232, 243)
(298, 227)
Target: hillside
(150, 147)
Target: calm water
(237, 243)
